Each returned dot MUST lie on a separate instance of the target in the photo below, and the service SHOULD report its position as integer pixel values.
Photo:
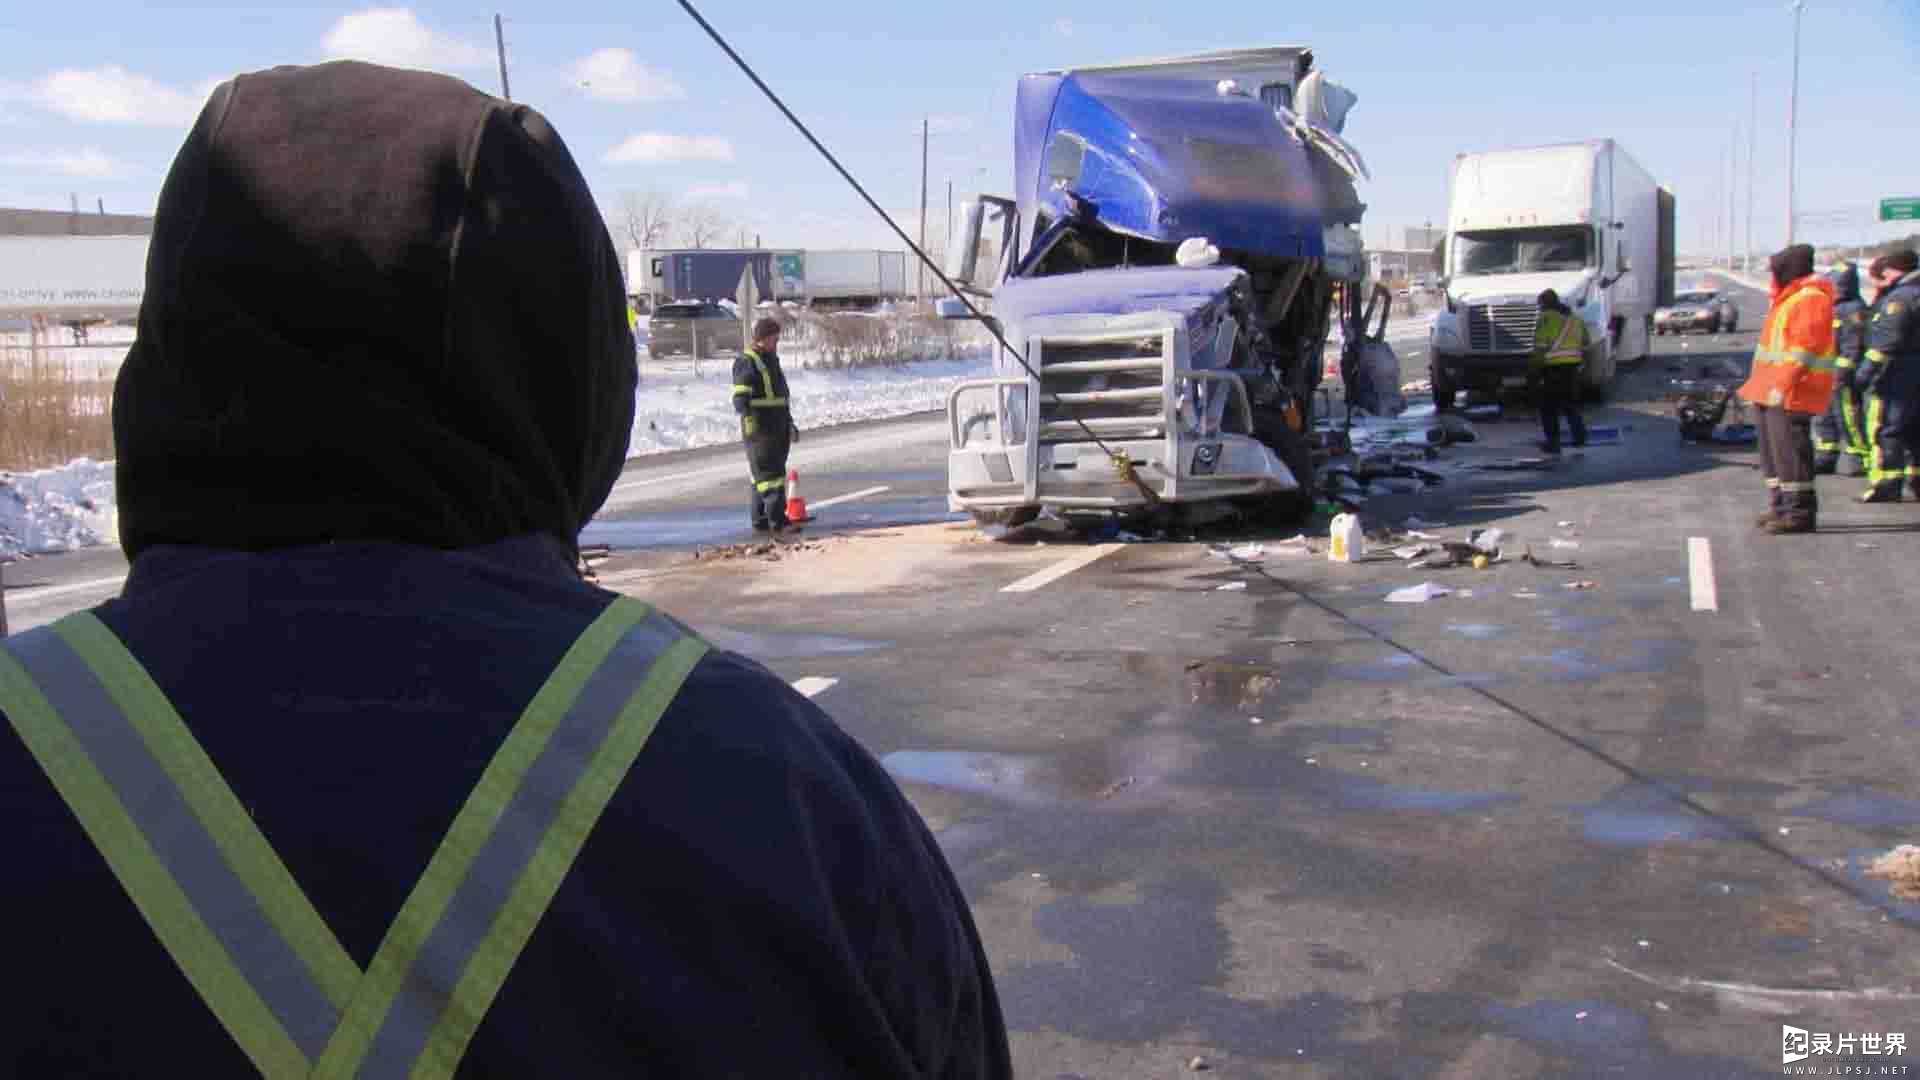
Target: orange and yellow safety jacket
(1793, 368)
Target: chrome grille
(1115, 387)
(1501, 328)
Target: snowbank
(57, 509)
(675, 410)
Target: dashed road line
(26, 595)
(1062, 568)
(850, 496)
(812, 686)
(1706, 591)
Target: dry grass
(849, 340)
(55, 405)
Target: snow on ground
(57, 509)
(675, 410)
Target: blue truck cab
(1182, 237)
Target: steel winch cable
(1122, 463)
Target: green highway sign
(1900, 209)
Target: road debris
(1901, 866)
(1561, 543)
(1347, 540)
(1256, 721)
(1232, 586)
(1581, 585)
(1197, 1064)
(1418, 594)
(1114, 788)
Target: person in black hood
(358, 770)
(1840, 441)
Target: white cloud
(734, 189)
(1063, 27)
(114, 95)
(659, 148)
(618, 75)
(396, 37)
(90, 163)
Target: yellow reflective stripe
(141, 872)
(1844, 363)
(1876, 356)
(742, 388)
(225, 819)
(767, 403)
(765, 486)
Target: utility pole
(1793, 116)
(1733, 184)
(1753, 144)
(500, 48)
(926, 131)
(949, 238)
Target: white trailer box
(864, 276)
(1583, 219)
(76, 277)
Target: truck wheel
(1443, 388)
(1284, 509)
(1011, 518)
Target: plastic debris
(1233, 586)
(1256, 721)
(1348, 540)
(1526, 594)
(1560, 542)
(1197, 1064)
(1901, 866)
(1487, 540)
(1418, 594)
(1582, 585)
(1566, 524)
(1481, 562)
(1412, 551)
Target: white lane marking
(1062, 568)
(26, 595)
(631, 491)
(814, 685)
(1706, 592)
(849, 497)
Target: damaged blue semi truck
(1183, 238)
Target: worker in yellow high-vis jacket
(766, 425)
(1559, 348)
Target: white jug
(1346, 541)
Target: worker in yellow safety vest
(1559, 348)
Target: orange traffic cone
(796, 506)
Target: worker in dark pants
(766, 425)
(1792, 382)
(1841, 441)
(1559, 348)
(1893, 378)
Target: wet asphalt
(1290, 828)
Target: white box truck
(1583, 219)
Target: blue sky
(96, 101)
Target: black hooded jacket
(383, 376)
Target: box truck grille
(1501, 328)
(1115, 387)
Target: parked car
(676, 326)
(1704, 309)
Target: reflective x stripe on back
(767, 398)
(1559, 347)
(217, 896)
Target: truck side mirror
(963, 245)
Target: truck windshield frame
(1532, 250)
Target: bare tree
(646, 217)
(700, 225)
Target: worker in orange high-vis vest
(1792, 382)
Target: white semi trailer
(1583, 219)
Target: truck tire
(1284, 509)
(1012, 518)
(1443, 387)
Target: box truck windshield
(1523, 251)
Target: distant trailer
(855, 278)
(661, 275)
(72, 278)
